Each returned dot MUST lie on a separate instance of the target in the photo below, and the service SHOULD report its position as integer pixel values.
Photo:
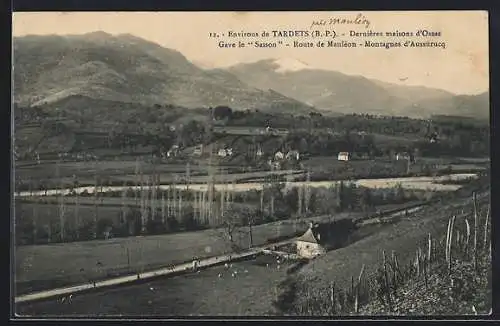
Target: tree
(230, 223)
(292, 199)
(133, 221)
(341, 196)
(172, 223)
(104, 227)
(189, 222)
(236, 218)
(399, 193)
(248, 218)
(303, 145)
(366, 201)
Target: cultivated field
(118, 172)
(366, 167)
(245, 288)
(248, 293)
(48, 266)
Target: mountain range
(334, 91)
(48, 69)
(124, 68)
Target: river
(423, 183)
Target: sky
(462, 67)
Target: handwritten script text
(359, 19)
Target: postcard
(251, 164)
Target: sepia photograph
(250, 164)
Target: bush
(85, 193)
(172, 224)
(24, 233)
(104, 225)
(133, 221)
(42, 235)
(87, 230)
(155, 226)
(189, 222)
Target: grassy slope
(460, 293)
(403, 237)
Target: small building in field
(222, 152)
(259, 152)
(344, 156)
(225, 152)
(173, 151)
(198, 150)
(309, 244)
(321, 237)
(293, 155)
(279, 155)
(433, 137)
(402, 156)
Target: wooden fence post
(358, 286)
(394, 273)
(450, 244)
(429, 251)
(475, 229)
(467, 237)
(486, 228)
(415, 263)
(352, 294)
(386, 281)
(448, 240)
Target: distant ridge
(334, 91)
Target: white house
(173, 151)
(308, 244)
(293, 155)
(224, 152)
(322, 237)
(402, 156)
(279, 155)
(198, 150)
(344, 156)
